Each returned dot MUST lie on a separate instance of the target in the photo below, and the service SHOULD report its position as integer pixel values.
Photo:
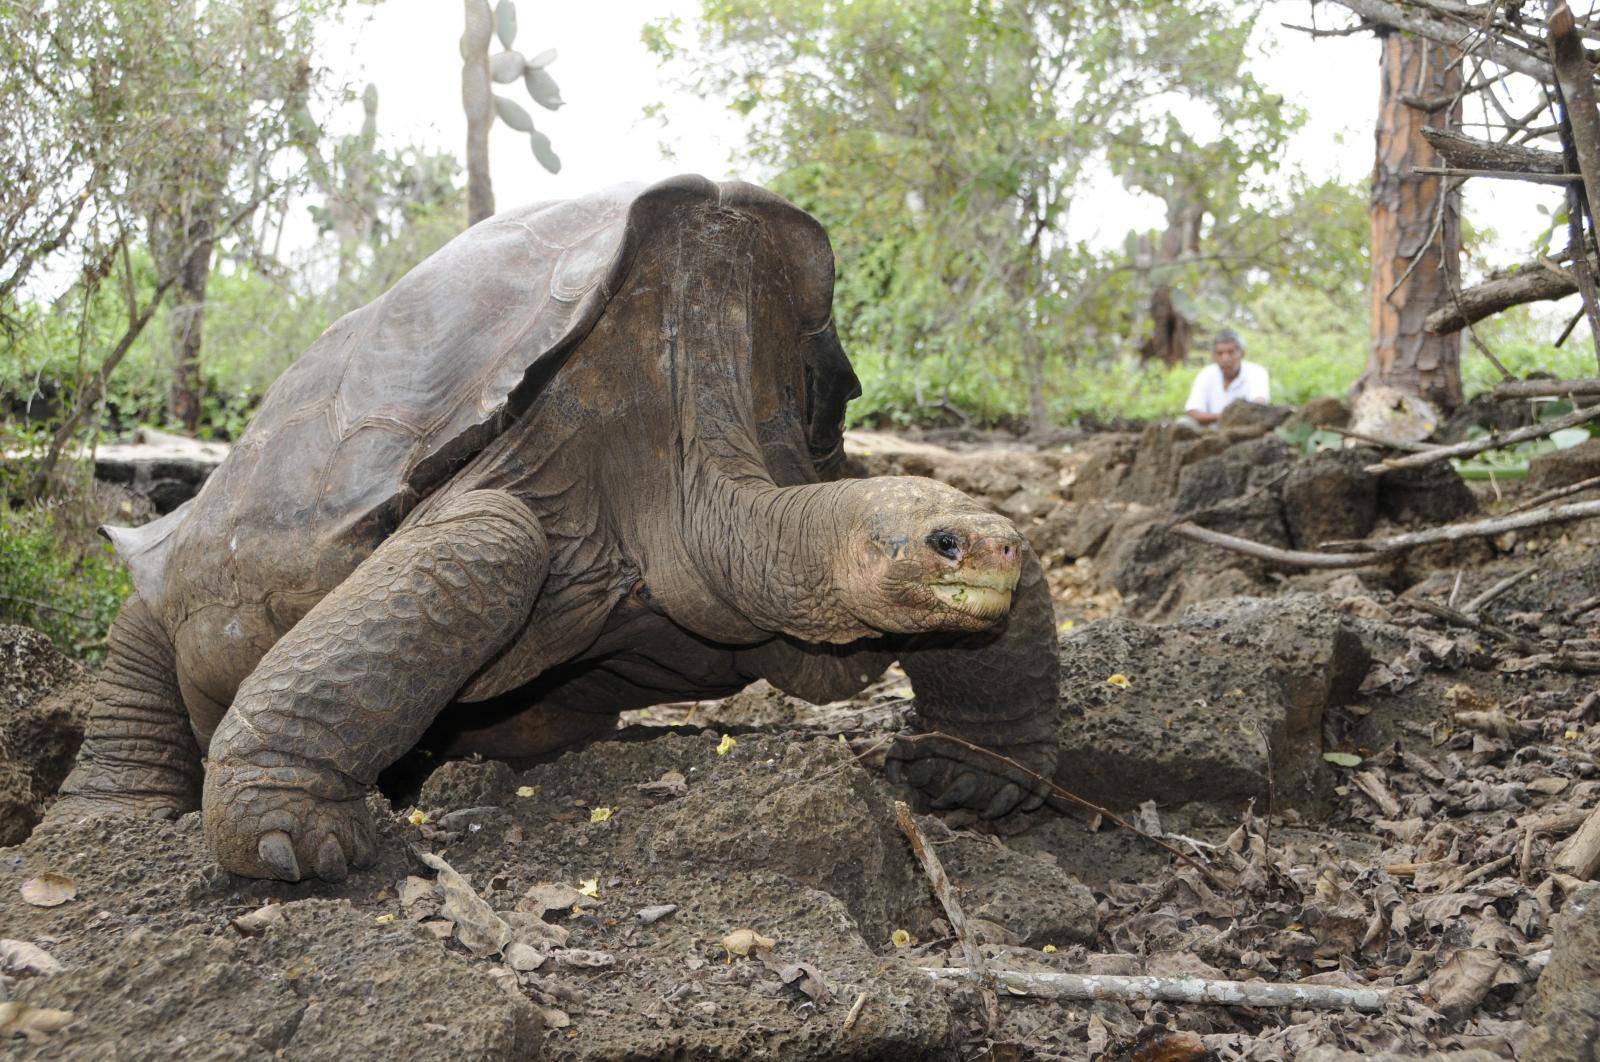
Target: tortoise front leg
(355, 683)
(996, 691)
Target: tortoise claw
(277, 852)
(1003, 801)
(331, 865)
(960, 791)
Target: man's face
(1227, 355)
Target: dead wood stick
(1460, 619)
(1575, 77)
(1530, 283)
(1071, 798)
(1379, 549)
(1581, 856)
(1472, 153)
(1490, 442)
(940, 882)
(1556, 493)
(1494, 592)
(1545, 388)
(855, 1012)
(1457, 884)
(1389, 444)
(1588, 604)
(1495, 525)
(1499, 175)
(1175, 989)
(1261, 551)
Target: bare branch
(1492, 441)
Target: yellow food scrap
(1119, 680)
(1067, 625)
(599, 814)
(417, 817)
(744, 941)
(527, 790)
(726, 745)
(589, 887)
(384, 919)
(1572, 735)
(1049, 949)
(900, 938)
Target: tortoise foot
(289, 823)
(79, 806)
(951, 774)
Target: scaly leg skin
(356, 682)
(999, 692)
(139, 755)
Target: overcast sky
(408, 48)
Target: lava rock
(1328, 497)
(1560, 468)
(44, 706)
(1567, 1007)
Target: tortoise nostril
(1009, 551)
(945, 544)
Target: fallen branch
(942, 889)
(1497, 525)
(1499, 175)
(1588, 604)
(1376, 550)
(1296, 558)
(1388, 444)
(1529, 283)
(1555, 493)
(1546, 388)
(1480, 602)
(1574, 74)
(1175, 989)
(1492, 441)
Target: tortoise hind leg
(357, 681)
(139, 754)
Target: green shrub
(59, 578)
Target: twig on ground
(1389, 444)
(1455, 588)
(946, 893)
(1489, 442)
(1459, 619)
(1546, 389)
(1494, 592)
(855, 1012)
(1371, 785)
(1556, 493)
(1588, 604)
(1071, 798)
(1176, 989)
(1379, 549)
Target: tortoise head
(919, 556)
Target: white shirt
(1211, 395)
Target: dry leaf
(49, 890)
(590, 887)
(29, 960)
(671, 784)
(479, 929)
(553, 896)
(259, 921)
(36, 1023)
(1119, 680)
(582, 958)
(599, 814)
(900, 938)
(656, 913)
(418, 817)
(527, 790)
(523, 957)
(743, 941)
(807, 979)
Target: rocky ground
(1301, 777)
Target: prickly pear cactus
(480, 72)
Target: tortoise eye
(945, 544)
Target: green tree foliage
(140, 137)
(941, 143)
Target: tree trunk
(1170, 330)
(1404, 208)
(477, 99)
(187, 314)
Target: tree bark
(1170, 330)
(477, 99)
(1404, 208)
(1529, 283)
(187, 314)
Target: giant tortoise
(583, 459)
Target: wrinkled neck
(772, 553)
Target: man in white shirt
(1225, 381)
